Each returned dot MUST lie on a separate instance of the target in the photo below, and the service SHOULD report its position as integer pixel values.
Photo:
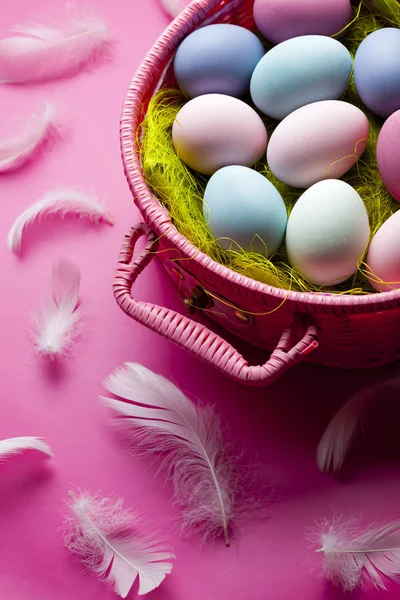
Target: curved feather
(105, 537)
(163, 419)
(40, 52)
(347, 556)
(172, 7)
(19, 444)
(19, 149)
(59, 202)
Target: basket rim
(157, 216)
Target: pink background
(276, 429)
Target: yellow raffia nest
(181, 190)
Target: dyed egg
(319, 141)
(383, 256)
(214, 131)
(377, 71)
(280, 20)
(388, 154)
(300, 71)
(217, 59)
(327, 232)
(242, 208)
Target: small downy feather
(342, 430)
(59, 322)
(20, 148)
(111, 542)
(349, 556)
(60, 202)
(19, 444)
(172, 7)
(40, 52)
(163, 420)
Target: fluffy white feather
(172, 7)
(40, 52)
(19, 444)
(163, 419)
(17, 150)
(110, 541)
(58, 324)
(349, 555)
(59, 202)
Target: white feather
(17, 150)
(58, 324)
(59, 202)
(40, 52)
(163, 419)
(349, 555)
(19, 444)
(172, 7)
(105, 537)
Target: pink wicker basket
(341, 331)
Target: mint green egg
(244, 210)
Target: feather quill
(58, 324)
(105, 537)
(348, 555)
(40, 52)
(60, 202)
(19, 444)
(163, 419)
(172, 7)
(342, 430)
(17, 150)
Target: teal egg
(244, 210)
(300, 71)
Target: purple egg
(377, 71)
(388, 154)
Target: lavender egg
(217, 59)
(388, 154)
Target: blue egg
(217, 59)
(300, 71)
(377, 71)
(244, 210)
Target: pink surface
(276, 428)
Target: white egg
(327, 232)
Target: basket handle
(194, 337)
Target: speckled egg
(244, 210)
(377, 71)
(217, 59)
(280, 20)
(300, 71)
(383, 256)
(319, 141)
(388, 154)
(214, 131)
(327, 232)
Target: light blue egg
(217, 59)
(300, 71)
(377, 71)
(243, 209)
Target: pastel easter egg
(280, 20)
(319, 141)
(243, 209)
(383, 256)
(214, 131)
(217, 59)
(327, 232)
(377, 71)
(300, 71)
(388, 154)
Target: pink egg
(215, 131)
(280, 20)
(384, 255)
(319, 141)
(388, 154)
